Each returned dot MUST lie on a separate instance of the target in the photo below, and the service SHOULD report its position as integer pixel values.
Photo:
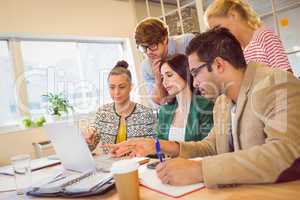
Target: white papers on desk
(149, 179)
(7, 183)
(35, 165)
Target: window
(183, 18)
(287, 12)
(76, 69)
(180, 16)
(295, 63)
(7, 101)
(97, 60)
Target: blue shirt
(176, 45)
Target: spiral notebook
(75, 185)
(80, 184)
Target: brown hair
(121, 68)
(220, 8)
(150, 31)
(217, 42)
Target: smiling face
(204, 81)
(119, 88)
(173, 83)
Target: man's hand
(134, 147)
(155, 66)
(89, 135)
(180, 171)
(159, 92)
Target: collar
(248, 79)
(171, 46)
(133, 111)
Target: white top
(176, 134)
(233, 121)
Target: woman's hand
(134, 147)
(89, 135)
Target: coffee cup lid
(124, 166)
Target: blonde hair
(220, 8)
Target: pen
(6, 174)
(158, 151)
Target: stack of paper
(35, 165)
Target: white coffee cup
(125, 173)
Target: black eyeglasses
(195, 71)
(143, 48)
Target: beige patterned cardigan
(140, 123)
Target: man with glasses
(256, 133)
(151, 36)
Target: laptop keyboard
(104, 163)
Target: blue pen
(158, 151)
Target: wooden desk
(283, 191)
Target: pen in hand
(158, 150)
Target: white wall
(19, 142)
(110, 18)
(95, 18)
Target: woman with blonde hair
(260, 43)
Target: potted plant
(57, 105)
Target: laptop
(70, 146)
(73, 151)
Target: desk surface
(282, 191)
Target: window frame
(14, 47)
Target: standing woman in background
(123, 119)
(260, 43)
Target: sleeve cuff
(208, 177)
(184, 150)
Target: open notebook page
(149, 179)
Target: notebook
(150, 180)
(74, 185)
